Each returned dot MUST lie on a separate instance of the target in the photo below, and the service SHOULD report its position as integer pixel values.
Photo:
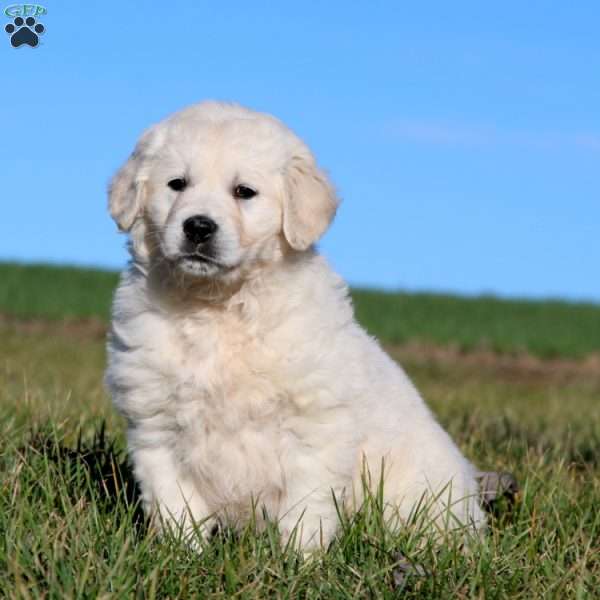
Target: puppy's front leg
(169, 496)
(309, 516)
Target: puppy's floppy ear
(125, 193)
(309, 202)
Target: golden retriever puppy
(234, 353)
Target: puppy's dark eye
(178, 184)
(244, 192)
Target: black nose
(199, 229)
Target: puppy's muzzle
(199, 229)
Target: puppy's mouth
(198, 262)
(200, 258)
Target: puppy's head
(217, 190)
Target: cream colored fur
(246, 381)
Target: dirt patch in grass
(510, 366)
(89, 328)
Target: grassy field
(70, 526)
(545, 329)
(49, 292)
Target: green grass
(543, 328)
(70, 526)
(53, 292)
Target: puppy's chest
(229, 411)
(224, 376)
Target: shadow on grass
(96, 467)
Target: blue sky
(463, 137)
